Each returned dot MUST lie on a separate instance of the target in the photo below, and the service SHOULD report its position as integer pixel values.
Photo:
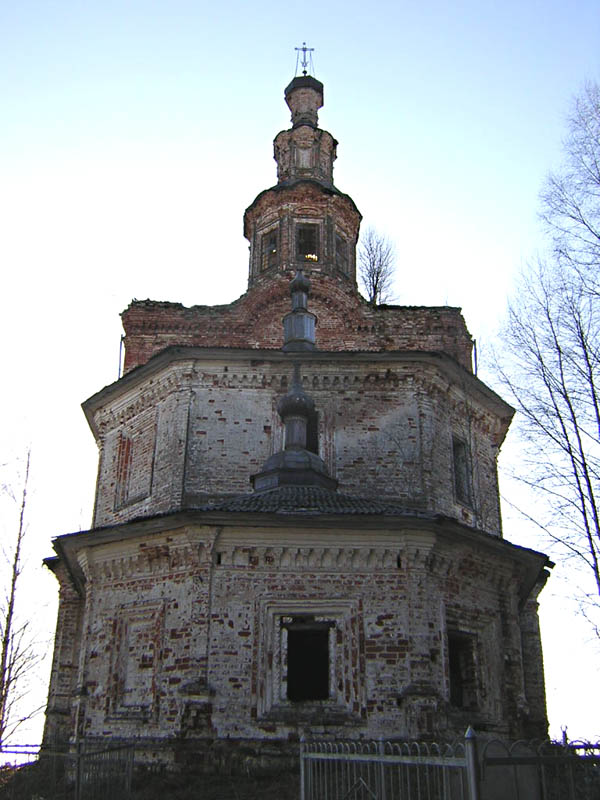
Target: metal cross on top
(306, 61)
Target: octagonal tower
(303, 222)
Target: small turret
(303, 221)
(304, 96)
(305, 151)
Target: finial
(307, 62)
(299, 324)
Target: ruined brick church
(297, 527)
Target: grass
(216, 787)
(41, 781)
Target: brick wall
(153, 421)
(281, 209)
(197, 614)
(200, 428)
(344, 322)
(60, 712)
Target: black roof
(308, 499)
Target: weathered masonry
(297, 526)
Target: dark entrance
(308, 661)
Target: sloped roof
(306, 500)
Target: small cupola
(304, 96)
(295, 465)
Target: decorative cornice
(412, 538)
(292, 188)
(168, 359)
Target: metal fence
(467, 770)
(83, 773)
(364, 770)
(540, 771)
(104, 774)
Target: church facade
(297, 527)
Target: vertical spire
(295, 465)
(307, 62)
(294, 409)
(299, 324)
(304, 95)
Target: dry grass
(39, 781)
(216, 787)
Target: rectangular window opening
(307, 243)
(462, 471)
(341, 253)
(307, 661)
(462, 670)
(269, 250)
(312, 433)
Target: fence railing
(386, 770)
(466, 770)
(104, 774)
(86, 772)
(540, 770)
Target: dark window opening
(308, 661)
(462, 471)
(124, 462)
(341, 253)
(307, 242)
(462, 670)
(312, 433)
(269, 250)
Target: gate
(540, 771)
(467, 770)
(363, 770)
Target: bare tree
(571, 196)
(551, 361)
(376, 259)
(552, 343)
(18, 656)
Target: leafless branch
(18, 655)
(551, 358)
(376, 267)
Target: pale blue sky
(448, 115)
(134, 134)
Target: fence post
(381, 749)
(472, 763)
(130, 760)
(302, 767)
(78, 748)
